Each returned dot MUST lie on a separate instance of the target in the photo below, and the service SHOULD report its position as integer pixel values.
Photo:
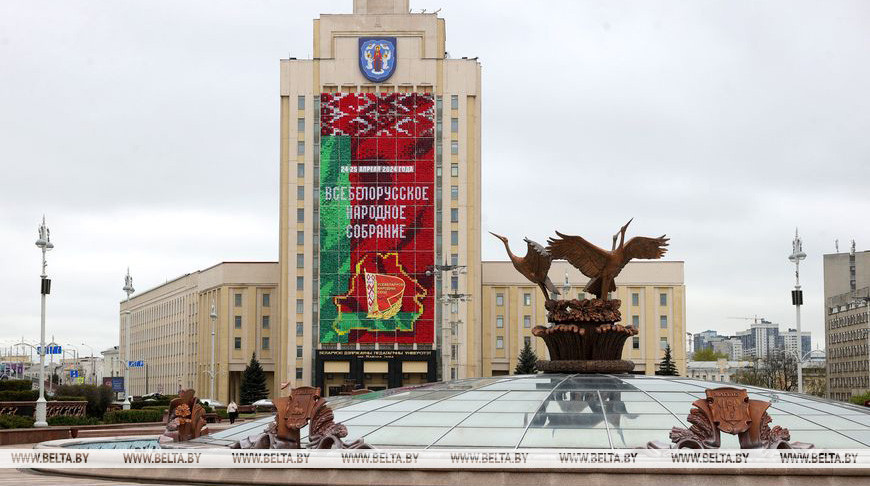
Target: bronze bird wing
(588, 258)
(647, 248)
(537, 257)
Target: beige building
(847, 323)
(422, 67)
(653, 296)
(171, 330)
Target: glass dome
(561, 410)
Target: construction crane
(755, 319)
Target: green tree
(253, 383)
(707, 354)
(526, 361)
(667, 366)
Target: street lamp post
(128, 289)
(797, 298)
(213, 315)
(93, 379)
(43, 243)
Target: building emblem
(383, 295)
(730, 409)
(377, 58)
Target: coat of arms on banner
(730, 408)
(377, 57)
(383, 295)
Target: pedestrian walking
(232, 412)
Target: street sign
(135, 364)
(73, 373)
(50, 350)
(116, 383)
(80, 379)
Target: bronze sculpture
(600, 265)
(534, 266)
(185, 420)
(731, 411)
(303, 407)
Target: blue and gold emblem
(377, 58)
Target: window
(635, 299)
(663, 299)
(527, 299)
(300, 215)
(635, 321)
(300, 170)
(452, 373)
(499, 322)
(581, 296)
(663, 322)
(300, 237)
(454, 193)
(454, 102)
(237, 343)
(300, 125)
(300, 193)
(237, 300)
(300, 306)
(300, 103)
(265, 322)
(298, 351)
(454, 125)
(453, 351)
(298, 373)
(499, 342)
(499, 299)
(300, 260)
(454, 215)
(300, 328)
(267, 300)
(265, 344)
(238, 322)
(454, 170)
(300, 147)
(635, 343)
(454, 237)
(454, 283)
(454, 147)
(527, 322)
(300, 283)
(454, 259)
(663, 342)
(454, 307)
(527, 340)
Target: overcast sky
(147, 132)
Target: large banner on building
(377, 217)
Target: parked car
(212, 403)
(264, 403)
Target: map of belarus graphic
(377, 218)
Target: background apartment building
(317, 97)
(653, 296)
(170, 330)
(847, 323)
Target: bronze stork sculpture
(534, 266)
(600, 265)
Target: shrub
(58, 398)
(222, 413)
(98, 397)
(132, 416)
(15, 385)
(163, 401)
(18, 395)
(15, 422)
(860, 399)
(72, 420)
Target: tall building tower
(380, 204)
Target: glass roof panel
(862, 436)
(407, 405)
(643, 421)
(512, 406)
(456, 406)
(481, 437)
(487, 419)
(630, 438)
(479, 395)
(569, 421)
(569, 438)
(374, 418)
(405, 436)
(442, 419)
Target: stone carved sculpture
(185, 420)
(731, 411)
(303, 407)
(534, 266)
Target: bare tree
(778, 371)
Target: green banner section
(334, 246)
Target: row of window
(237, 300)
(838, 322)
(237, 322)
(264, 344)
(848, 366)
(499, 341)
(454, 102)
(853, 335)
(846, 351)
(849, 382)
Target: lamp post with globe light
(213, 315)
(43, 243)
(797, 299)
